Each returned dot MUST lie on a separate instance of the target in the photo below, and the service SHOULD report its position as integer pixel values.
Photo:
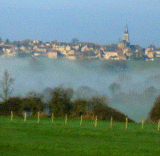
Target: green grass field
(30, 138)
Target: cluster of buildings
(80, 50)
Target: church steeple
(126, 30)
(126, 35)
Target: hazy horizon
(94, 21)
(89, 78)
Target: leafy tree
(32, 104)
(5, 84)
(154, 114)
(79, 107)
(12, 104)
(60, 102)
(99, 106)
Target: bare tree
(5, 84)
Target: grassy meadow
(45, 138)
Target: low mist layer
(139, 82)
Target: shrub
(12, 104)
(154, 114)
(79, 107)
(60, 102)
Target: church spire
(126, 30)
(126, 35)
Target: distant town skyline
(100, 22)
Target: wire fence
(95, 121)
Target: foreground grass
(30, 138)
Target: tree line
(61, 101)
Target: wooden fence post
(95, 122)
(25, 117)
(142, 124)
(126, 123)
(11, 115)
(111, 125)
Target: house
(107, 55)
(39, 49)
(7, 49)
(36, 42)
(126, 50)
(48, 44)
(114, 58)
(149, 50)
(84, 48)
(71, 57)
(121, 56)
(67, 48)
(157, 54)
(151, 55)
(37, 54)
(75, 47)
(129, 54)
(59, 48)
(52, 55)
(23, 48)
(70, 52)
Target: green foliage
(32, 104)
(79, 107)
(30, 138)
(17, 105)
(154, 114)
(61, 101)
(97, 105)
(12, 104)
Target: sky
(97, 21)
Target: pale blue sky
(98, 21)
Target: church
(122, 44)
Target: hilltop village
(80, 50)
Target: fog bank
(93, 75)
